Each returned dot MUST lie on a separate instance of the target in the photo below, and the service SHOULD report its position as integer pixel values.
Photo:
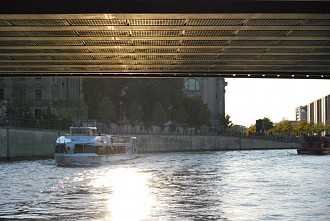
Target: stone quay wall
(167, 143)
(16, 143)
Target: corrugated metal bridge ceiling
(124, 44)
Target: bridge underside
(165, 38)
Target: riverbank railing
(35, 123)
(115, 129)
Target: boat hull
(314, 151)
(89, 159)
(315, 145)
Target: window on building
(319, 111)
(37, 113)
(191, 84)
(38, 94)
(311, 113)
(327, 109)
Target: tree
(149, 92)
(159, 115)
(47, 114)
(139, 98)
(318, 128)
(301, 128)
(225, 121)
(197, 111)
(204, 116)
(106, 111)
(327, 127)
(181, 116)
(79, 109)
(283, 127)
(135, 112)
(251, 130)
(95, 89)
(268, 123)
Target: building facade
(212, 92)
(38, 94)
(315, 112)
(301, 113)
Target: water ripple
(234, 185)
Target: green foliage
(318, 128)
(225, 121)
(327, 126)
(251, 130)
(23, 112)
(106, 111)
(63, 114)
(198, 113)
(268, 123)
(149, 92)
(283, 127)
(47, 114)
(159, 115)
(79, 109)
(204, 116)
(95, 89)
(147, 100)
(135, 112)
(301, 128)
(181, 116)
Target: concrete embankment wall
(165, 143)
(16, 143)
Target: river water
(234, 185)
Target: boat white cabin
(84, 147)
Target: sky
(248, 100)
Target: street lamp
(121, 117)
(169, 117)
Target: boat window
(81, 131)
(93, 132)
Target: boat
(85, 147)
(315, 145)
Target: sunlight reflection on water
(130, 198)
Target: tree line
(148, 100)
(153, 101)
(286, 127)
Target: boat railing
(121, 139)
(83, 131)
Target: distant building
(212, 92)
(40, 93)
(301, 113)
(260, 126)
(315, 112)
